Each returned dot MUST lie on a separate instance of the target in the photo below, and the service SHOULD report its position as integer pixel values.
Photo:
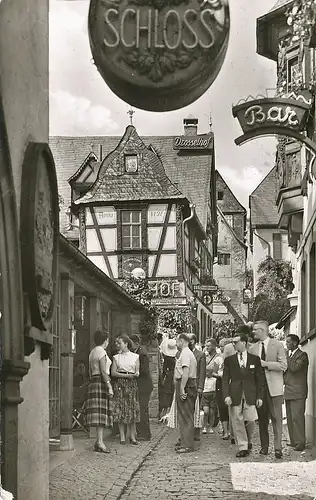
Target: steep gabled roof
(190, 172)
(263, 209)
(87, 161)
(115, 184)
(224, 206)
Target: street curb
(152, 447)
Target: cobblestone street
(154, 471)
(213, 472)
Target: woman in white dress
(125, 370)
(100, 392)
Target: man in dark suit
(243, 385)
(295, 392)
(145, 387)
(200, 375)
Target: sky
(82, 104)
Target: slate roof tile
(186, 173)
(263, 209)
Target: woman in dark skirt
(100, 392)
(125, 370)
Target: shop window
(277, 246)
(224, 259)
(220, 195)
(131, 229)
(312, 288)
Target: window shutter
(277, 246)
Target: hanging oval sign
(159, 55)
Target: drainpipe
(265, 241)
(192, 208)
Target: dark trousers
(295, 414)
(271, 409)
(143, 428)
(185, 409)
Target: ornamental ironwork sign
(282, 116)
(39, 233)
(262, 114)
(159, 55)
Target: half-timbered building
(146, 203)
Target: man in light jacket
(273, 361)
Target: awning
(282, 322)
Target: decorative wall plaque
(39, 233)
(159, 55)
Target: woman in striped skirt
(100, 392)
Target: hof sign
(159, 55)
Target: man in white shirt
(186, 392)
(273, 361)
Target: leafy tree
(139, 289)
(274, 285)
(276, 280)
(224, 329)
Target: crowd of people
(241, 381)
(237, 382)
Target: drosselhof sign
(159, 55)
(204, 141)
(262, 115)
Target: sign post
(159, 55)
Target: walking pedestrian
(243, 384)
(222, 407)
(295, 392)
(200, 376)
(145, 387)
(125, 371)
(186, 392)
(209, 405)
(273, 361)
(100, 392)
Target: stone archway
(13, 366)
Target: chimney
(100, 152)
(190, 125)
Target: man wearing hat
(243, 386)
(168, 349)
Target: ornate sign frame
(39, 234)
(281, 111)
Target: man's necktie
(242, 364)
(263, 352)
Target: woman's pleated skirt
(98, 404)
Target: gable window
(223, 259)
(131, 229)
(220, 195)
(277, 246)
(131, 164)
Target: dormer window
(131, 164)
